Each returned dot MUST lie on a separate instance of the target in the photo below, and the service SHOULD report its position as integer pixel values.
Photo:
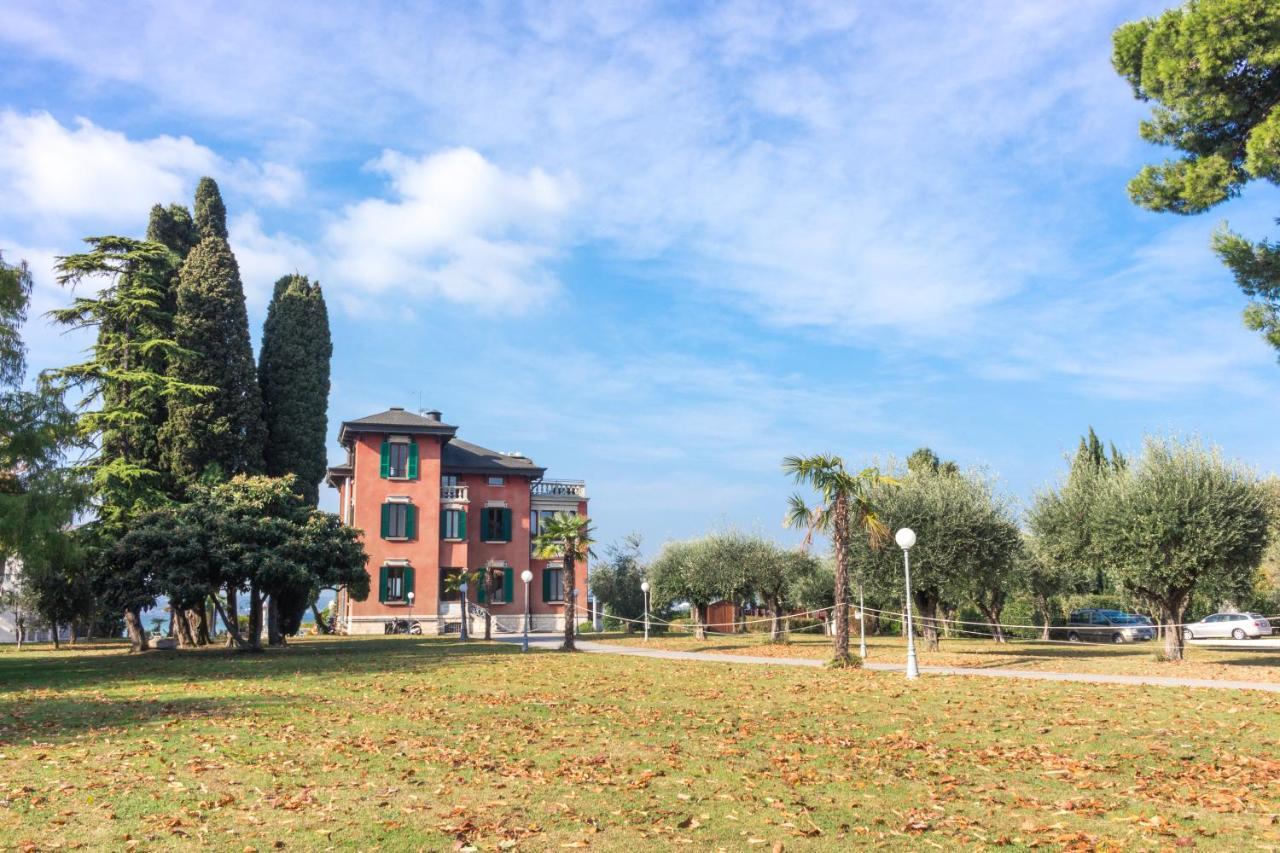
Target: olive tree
(1182, 522)
(698, 571)
(967, 545)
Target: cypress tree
(221, 433)
(174, 228)
(211, 213)
(293, 372)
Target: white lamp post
(409, 627)
(644, 587)
(526, 576)
(862, 625)
(462, 592)
(906, 537)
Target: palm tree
(843, 498)
(566, 536)
(453, 583)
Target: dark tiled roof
(338, 472)
(397, 420)
(463, 457)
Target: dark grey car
(1106, 626)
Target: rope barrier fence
(946, 626)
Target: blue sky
(660, 246)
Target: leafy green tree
(255, 532)
(776, 576)
(120, 377)
(39, 497)
(568, 537)
(615, 581)
(844, 504)
(59, 585)
(1211, 68)
(1060, 520)
(211, 213)
(1182, 522)
(700, 572)
(173, 228)
(220, 433)
(453, 584)
(925, 461)
(293, 373)
(967, 544)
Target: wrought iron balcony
(560, 489)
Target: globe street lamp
(644, 587)
(408, 628)
(526, 576)
(462, 591)
(906, 537)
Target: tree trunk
(322, 627)
(197, 619)
(255, 618)
(231, 618)
(71, 637)
(234, 639)
(841, 543)
(488, 624)
(927, 608)
(699, 621)
(20, 631)
(1042, 602)
(55, 636)
(775, 627)
(992, 614)
(1174, 644)
(181, 627)
(133, 624)
(570, 610)
(274, 637)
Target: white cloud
(88, 173)
(263, 258)
(458, 227)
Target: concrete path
(545, 642)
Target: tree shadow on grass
(87, 666)
(44, 720)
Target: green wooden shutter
(386, 520)
(408, 582)
(382, 584)
(508, 576)
(506, 526)
(546, 584)
(413, 459)
(462, 524)
(444, 519)
(483, 592)
(386, 459)
(410, 521)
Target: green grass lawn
(1260, 663)
(418, 743)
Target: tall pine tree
(293, 372)
(221, 433)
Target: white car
(1237, 626)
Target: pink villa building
(431, 504)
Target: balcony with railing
(453, 493)
(560, 489)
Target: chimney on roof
(432, 415)
(397, 408)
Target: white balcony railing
(560, 489)
(453, 493)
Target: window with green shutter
(385, 470)
(382, 585)
(496, 524)
(399, 520)
(552, 584)
(413, 459)
(508, 581)
(453, 524)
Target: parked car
(1237, 626)
(1106, 626)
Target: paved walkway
(1032, 675)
